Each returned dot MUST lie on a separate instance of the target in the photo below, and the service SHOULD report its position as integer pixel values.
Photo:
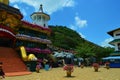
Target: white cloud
(79, 22)
(105, 43)
(83, 36)
(24, 12)
(49, 6)
(74, 28)
(69, 3)
(13, 1)
(16, 6)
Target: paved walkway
(86, 73)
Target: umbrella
(68, 55)
(111, 57)
(80, 59)
(63, 54)
(59, 54)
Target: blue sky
(92, 19)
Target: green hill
(69, 39)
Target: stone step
(11, 61)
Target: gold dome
(5, 2)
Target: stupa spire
(41, 8)
(40, 18)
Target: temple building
(116, 41)
(114, 58)
(22, 43)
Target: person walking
(2, 74)
(38, 66)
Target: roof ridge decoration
(37, 27)
(34, 39)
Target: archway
(6, 42)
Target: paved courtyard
(86, 73)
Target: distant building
(40, 18)
(116, 42)
(114, 57)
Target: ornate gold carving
(9, 20)
(3, 16)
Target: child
(38, 66)
(1, 71)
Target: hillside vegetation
(69, 39)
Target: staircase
(11, 61)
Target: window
(44, 25)
(118, 34)
(118, 46)
(34, 17)
(39, 17)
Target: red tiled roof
(7, 32)
(112, 31)
(34, 39)
(7, 28)
(36, 26)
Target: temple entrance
(6, 42)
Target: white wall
(114, 34)
(116, 47)
(41, 21)
(116, 37)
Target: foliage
(66, 38)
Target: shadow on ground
(69, 77)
